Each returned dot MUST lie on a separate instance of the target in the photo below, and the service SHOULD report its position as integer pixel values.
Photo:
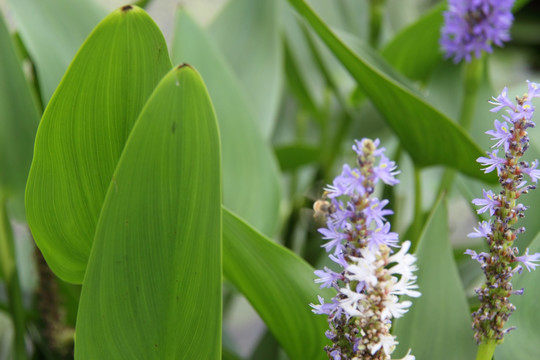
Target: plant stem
(11, 276)
(417, 220)
(486, 350)
(376, 11)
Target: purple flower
(376, 212)
(523, 111)
(322, 308)
(534, 89)
(502, 101)
(342, 214)
(491, 163)
(502, 134)
(529, 260)
(340, 260)
(481, 258)
(327, 277)
(334, 236)
(382, 236)
(489, 202)
(483, 230)
(386, 171)
(472, 26)
(352, 180)
(532, 171)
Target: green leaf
(438, 326)
(19, 116)
(415, 51)
(279, 285)
(254, 25)
(424, 132)
(526, 317)
(83, 131)
(267, 348)
(152, 289)
(250, 174)
(52, 31)
(293, 156)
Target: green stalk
(11, 276)
(376, 11)
(417, 220)
(473, 78)
(486, 350)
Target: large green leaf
(279, 285)
(152, 289)
(83, 132)
(428, 135)
(250, 183)
(52, 31)
(438, 326)
(254, 25)
(526, 318)
(415, 51)
(19, 116)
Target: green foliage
(149, 185)
(18, 121)
(52, 31)
(407, 112)
(455, 339)
(278, 284)
(156, 259)
(250, 173)
(82, 134)
(415, 51)
(253, 25)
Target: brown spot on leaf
(183, 65)
(126, 8)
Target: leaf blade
(449, 331)
(82, 134)
(19, 120)
(53, 30)
(263, 270)
(254, 25)
(251, 184)
(423, 131)
(156, 260)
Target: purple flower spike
(499, 264)
(471, 27)
(370, 278)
